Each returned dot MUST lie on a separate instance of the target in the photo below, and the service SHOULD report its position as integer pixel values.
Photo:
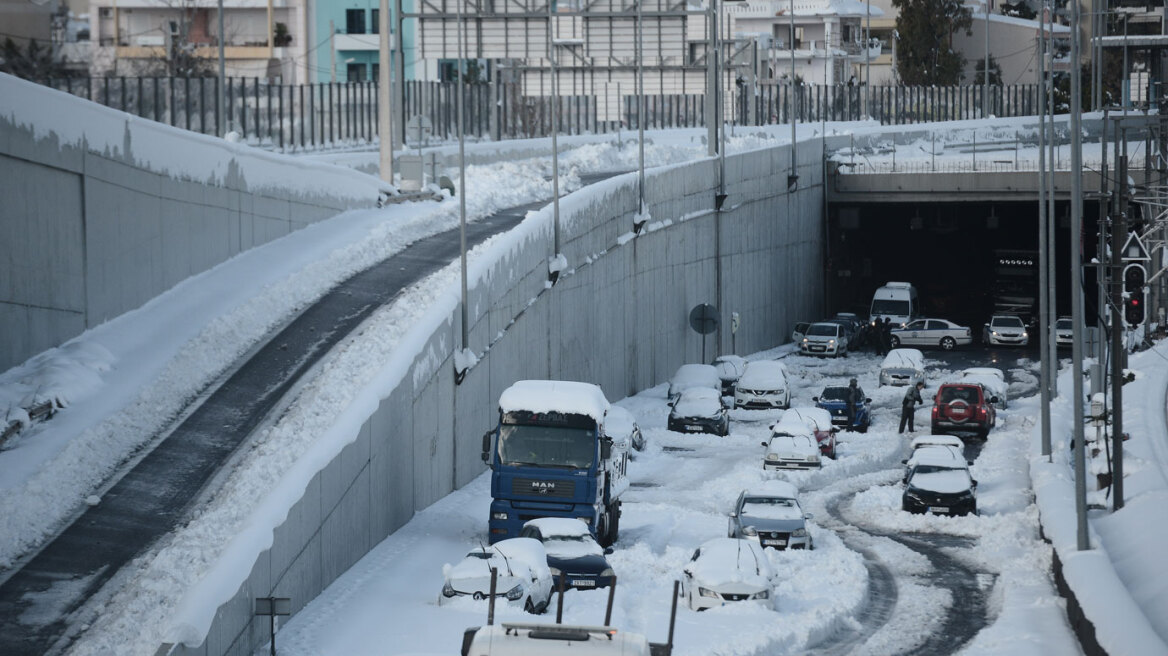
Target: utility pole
(1044, 317)
(222, 100)
(1116, 278)
(712, 103)
(985, 71)
(1076, 263)
(332, 52)
(384, 94)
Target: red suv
(963, 407)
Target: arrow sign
(1134, 250)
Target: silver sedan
(931, 332)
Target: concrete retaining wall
(103, 211)
(617, 317)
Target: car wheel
(948, 343)
(894, 341)
(529, 607)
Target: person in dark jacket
(908, 406)
(886, 334)
(852, 397)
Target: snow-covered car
(931, 332)
(771, 516)
(992, 379)
(524, 578)
(825, 338)
(1005, 330)
(727, 570)
(699, 410)
(694, 375)
(730, 368)
(792, 445)
(939, 447)
(833, 400)
(820, 423)
(938, 484)
(621, 427)
(902, 366)
(763, 385)
(1064, 332)
(523, 639)
(800, 331)
(935, 440)
(572, 552)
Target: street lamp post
(985, 72)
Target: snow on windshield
(770, 508)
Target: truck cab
(513, 639)
(550, 457)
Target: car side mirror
(605, 449)
(815, 398)
(733, 513)
(973, 482)
(904, 462)
(993, 399)
(808, 516)
(765, 444)
(608, 551)
(904, 480)
(969, 462)
(487, 446)
(867, 400)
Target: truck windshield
(888, 306)
(547, 446)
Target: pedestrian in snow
(908, 406)
(852, 396)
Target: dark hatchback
(699, 410)
(832, 400)
(572, 553)
(939, 487)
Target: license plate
(693, 427)
(584, 583)
(774, 543)
(938, 509)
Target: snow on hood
(698, 402)
(792, 424)
(787, 509)
(946, 481)
(555, 396)
(787, 446)
(764, 375)
(817, 419)
(731, 560)
(516, 559)
(730, 367)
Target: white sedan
(763, 386)
(931, 332)
(727, 570)
(1005, 330)
(792, 446)
(523, 577)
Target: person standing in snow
(886, 334)
(908, 406)
(852, 396)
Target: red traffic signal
(1134, 279)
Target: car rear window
(967, 393)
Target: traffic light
(1134, 278)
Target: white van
(898, 301)
(514, 639)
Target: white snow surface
(568, 397)
(143, 367)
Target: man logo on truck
(543, 487)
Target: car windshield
(934, 469)
(889, 306)
(1008, 322)
(547, 446)
(769, 508)
(959, 393)
(834, 394)
(1064, 324)
(823, 330)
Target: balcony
(356, 42)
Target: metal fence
(311, 116)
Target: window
(377, 72)
(375, 25)
(356, 72)
(354, 21)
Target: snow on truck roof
(564, 396)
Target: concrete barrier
(103, 211)
(617, 317)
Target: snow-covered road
(683, 486)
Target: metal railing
(312, 116)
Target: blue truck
(550, 457)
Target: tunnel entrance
(963, 257)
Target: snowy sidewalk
(1127, 608)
